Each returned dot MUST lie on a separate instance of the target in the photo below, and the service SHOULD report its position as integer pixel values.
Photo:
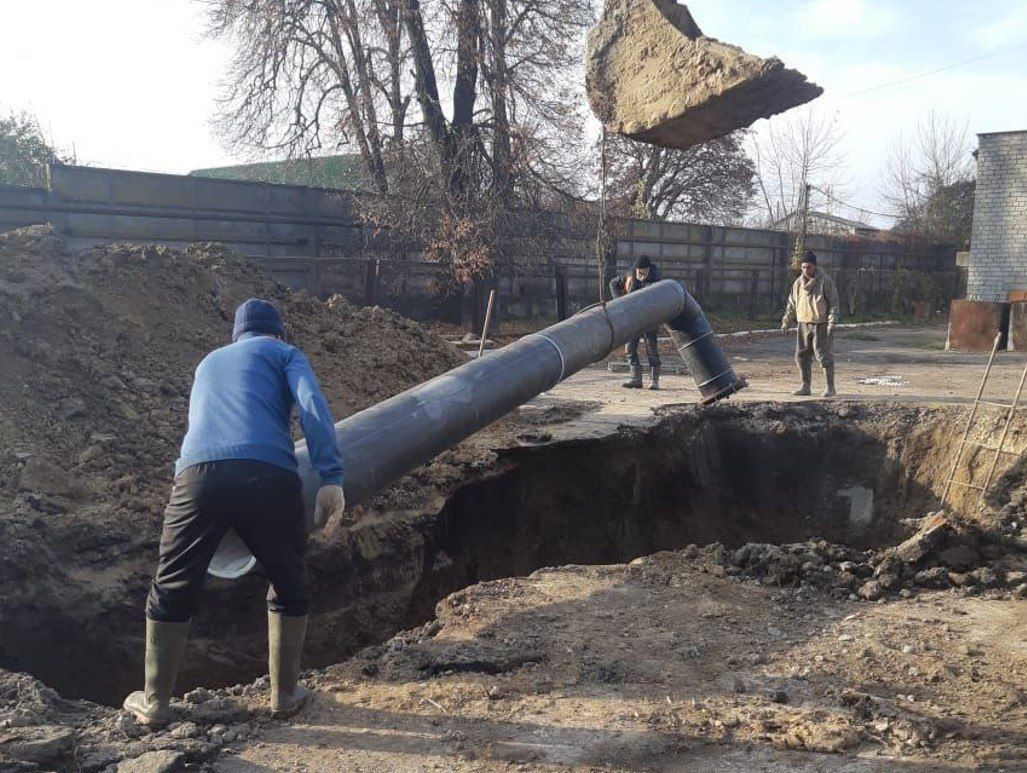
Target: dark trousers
(652, 349)
(812, 340)
(262, 502)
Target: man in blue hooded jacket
(237, 471)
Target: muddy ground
(878, 640)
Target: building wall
(998, 246)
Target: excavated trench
(734, 474)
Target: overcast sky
(133, 83)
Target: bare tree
(473, 91)
(314, 74)
(713, 182)
(928, 179)
(796, 149)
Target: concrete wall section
(312, 238)
(998, 247)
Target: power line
(836, 200)
(929, 72)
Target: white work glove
(830, 329)
(331, 501)
(784, 327)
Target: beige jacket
(816, 301)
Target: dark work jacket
(617, 284)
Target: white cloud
(1006, 31)
(846, 20)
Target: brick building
(998, 246)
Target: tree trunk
(501, 153)
(425, 82)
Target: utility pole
(800, 242)
(601, 226)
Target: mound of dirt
(98, 351)
(943, 552)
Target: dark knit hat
(257, 316)
(809, 257)
(643, 262)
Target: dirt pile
(942, 552)
(98, 350)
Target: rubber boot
(165, 645)
(829, 377)
(655, 378)
(285, 635)
(635, 382)
(806, 371)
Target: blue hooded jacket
(242, 399)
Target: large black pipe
(389, 439)
(696, 343)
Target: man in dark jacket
(644, 273)
(237, 471)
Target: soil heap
(98, 351)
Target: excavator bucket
(651, 75)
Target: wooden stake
(488, 320)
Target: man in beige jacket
(813, 303)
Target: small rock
(844, 579)
(185, 730)
(199, 695)
(164, 761)
(985, 576)
(70, 408)
(959, 579)
(933, 530)
(125, 724)
(41, 744)
(871, 590)
(730, 682)
(219, 711)
(1013, 579)
(1020, 591)
(935, 577)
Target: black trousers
(262, 502)
(652, 348)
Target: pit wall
(312, 239)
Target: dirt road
(913, 358)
